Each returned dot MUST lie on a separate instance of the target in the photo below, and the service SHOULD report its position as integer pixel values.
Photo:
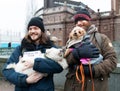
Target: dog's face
(54, 54)
(77, 33)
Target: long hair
(28, 44)
(43, 39)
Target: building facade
(57, 16)
(58, 21)
(76, 5)
(116, 6)
(55, 20)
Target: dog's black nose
(75, 34)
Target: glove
(86, 50)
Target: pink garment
(71, 49)
(84, 60)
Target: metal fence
(6, 51)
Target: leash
(93, 89)
(82, 80)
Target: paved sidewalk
(6, 86)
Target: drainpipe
(65, 29)
(113, 28)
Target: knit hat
(82, 14)
(36, 21)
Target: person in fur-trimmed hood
(96, 77)
(35, 40)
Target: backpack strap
(98, 38)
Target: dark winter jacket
(102, 70)
(41, 65)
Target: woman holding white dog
(35, 40)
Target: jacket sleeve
(109, 62)
(47, 66)
(71, 60)
(10, 74)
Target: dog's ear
(21, 60)
(60, 53)
(70, 36)
(48, 51)
(63, 49)
(20, 57)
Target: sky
(13, 12)
(103, 5)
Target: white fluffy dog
(52, 53)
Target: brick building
(116, 6)
(57, 16)
(55, 20)
(58, 21)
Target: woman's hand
(28, 64)
(33, 78)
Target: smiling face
(84, 24)
(34, 32)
